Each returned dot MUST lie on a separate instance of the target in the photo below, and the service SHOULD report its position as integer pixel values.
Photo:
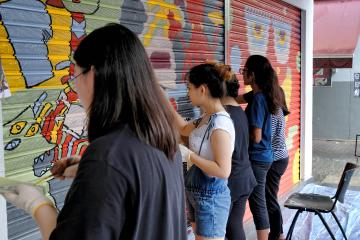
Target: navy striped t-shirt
(278, 143)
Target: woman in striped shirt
(277, 169)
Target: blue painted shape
(13, 144)
(38, 103)
(235, 58)
(28, 28)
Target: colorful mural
(272, 29)
(43, 120)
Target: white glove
(27, 197)
(185, 154)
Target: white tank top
(200, 136)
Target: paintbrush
(44, 179)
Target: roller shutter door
(43, 120)
(271, 28)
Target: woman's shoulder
(222, 117)
(259, 96)
(237, 114)
(232, 109)
(119, 146)
(223, 121)
(122, 135)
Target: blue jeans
(257, 201)
(209, 210)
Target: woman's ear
(252, 77)
(92, 69)
(203, 90)
(91, 73)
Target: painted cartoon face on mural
(282, 38)
(257, 27)
(272, 35)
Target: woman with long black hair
(129, 182)
(264, 100)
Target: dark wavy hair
(207, 74)
(231, 82)
(232, 87)
(284, 105)
(266, 79)
(125, 88)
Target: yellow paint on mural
(216, 18)
(293, 130)
(59, 44)
(63, 111)
(10, 64)
(67, 89)
(287, 86)
(32, 130)
(43, 112)
(258, 33)
(164, 4)
(160, 21)
(282, 39)
(55, 131)
(17, 127)
(296, 167)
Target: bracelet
(33, 211)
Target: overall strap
(211, 124)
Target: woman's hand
(65, 167)
(27, 197)
(32, 199)
(186, 155)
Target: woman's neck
(229, 101)
(213, 106)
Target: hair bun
(223, 70)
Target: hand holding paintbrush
(65, 167)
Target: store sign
(356, 84)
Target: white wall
(341, 75)
(3, 219)
(356, 59)
(339, 96)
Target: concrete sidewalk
(329, 159)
